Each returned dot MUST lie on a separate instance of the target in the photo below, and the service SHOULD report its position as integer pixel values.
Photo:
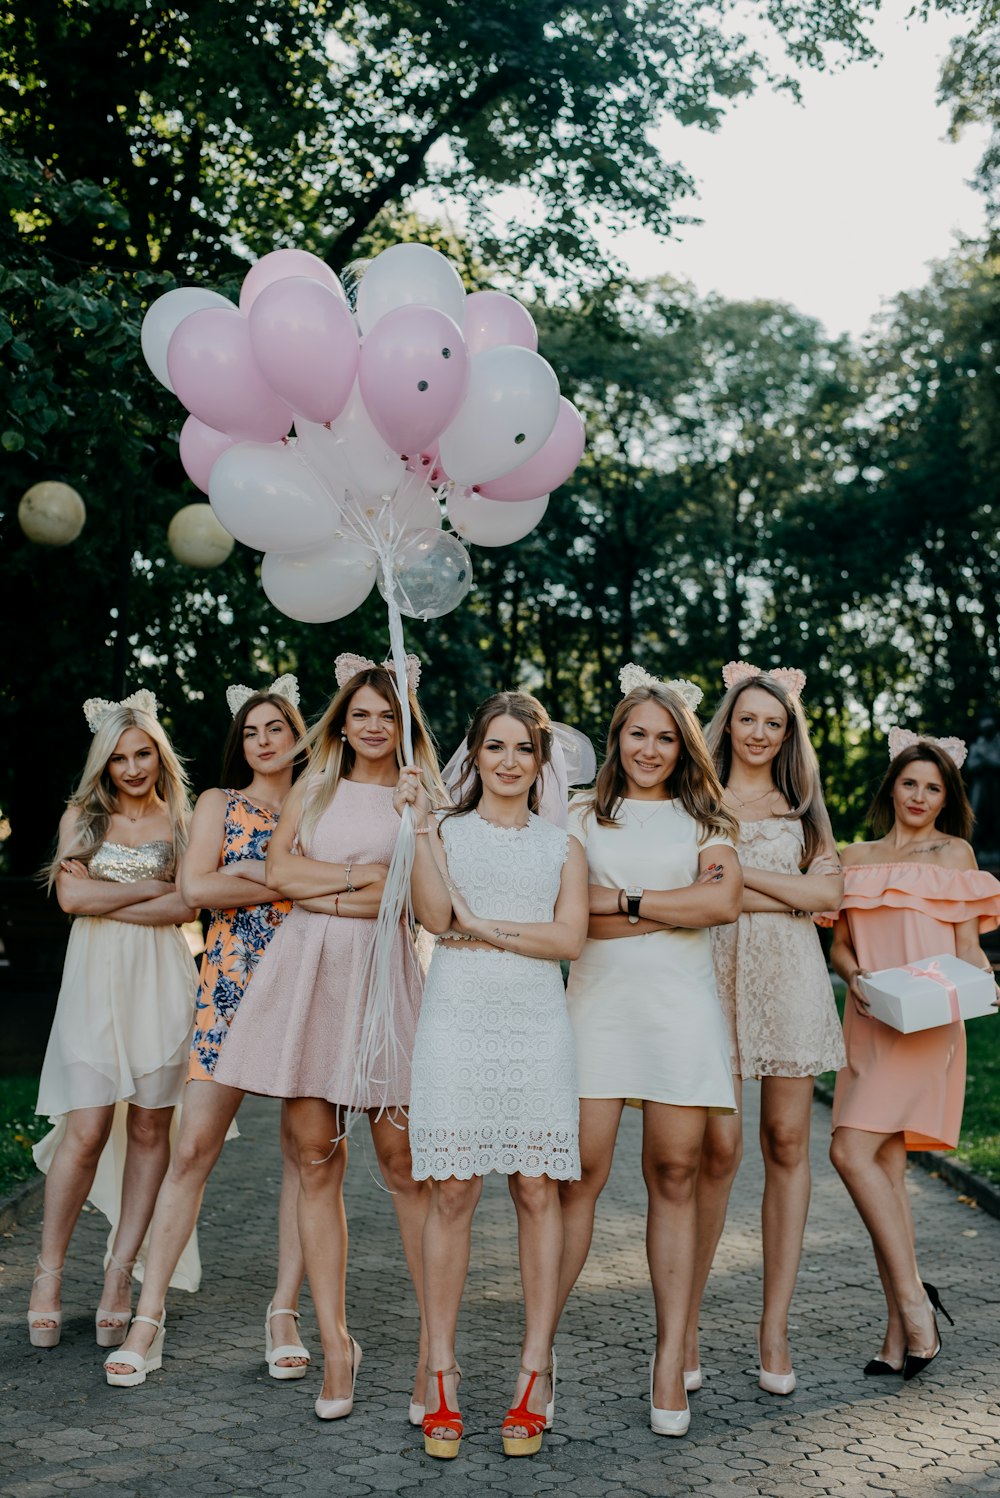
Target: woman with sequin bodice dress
(116, 1059)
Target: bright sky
(834, 204)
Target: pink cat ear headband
(904, 738)
(789, 677)
(348, 665)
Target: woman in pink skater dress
(297, 1033)
(912, 893)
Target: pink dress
(296, 1032)
(895, 1083)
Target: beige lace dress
(772, 975)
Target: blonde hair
(693, 782)
(331, 756)
(794, 769)
(96, 797)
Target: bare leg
(146, 1161)
(672, 1139)
(599, 1120)
(67, 1187)
(540, 1247)
(411, 1200)
(447, 1239)
(209, 1109)
(721, 1154)
(315, 1124)
(291, 1266)
(892, 1158)
(861, 1159)
(785, 1112)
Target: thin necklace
(507, 826)
(752, 799)
(657, 806)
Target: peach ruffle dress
(910, 1084)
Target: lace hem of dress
(757, 1067)
(445, 1153)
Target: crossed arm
(713, 899)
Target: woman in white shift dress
(642, 997)
(774, 986)
(494, 1082)
(117, 1054)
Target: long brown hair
(538, 727)
(331, 756)
(235, 770)
(794, 769)
(956, 817)
(693, 782)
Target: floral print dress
(237, 939)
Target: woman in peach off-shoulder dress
(912, 893)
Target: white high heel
(550, 1408)
(272, 1354)
(140, 1365)
(693, 1379)
(667, 1422)
(416, 1412)
(114, 1334)
(336, 1409)
(45, 1336)
(772, 1383)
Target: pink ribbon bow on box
(933, 971)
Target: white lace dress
(773, 982)
(494, 1075)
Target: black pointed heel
(935, 1300)
(879, 1368)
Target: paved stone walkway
(212, 1422)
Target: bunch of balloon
(412, 403)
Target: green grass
(979, 1142)
(20, 1127)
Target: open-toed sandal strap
(283, 1311)
(43, 1271)
(151, 1320)
(123, 1268)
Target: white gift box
(931, 991)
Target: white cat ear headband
(284, 686)
(96, 709)
(905, 738)
(632, 676)
(348, 665)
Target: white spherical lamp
(197, 539)
(51, 514)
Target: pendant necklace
(752, 799)
(657, 806)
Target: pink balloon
(413, 375)
(552, 464)
(281, 263)
(213, 370)
(200, 447)
(306, 346)
(492, 318)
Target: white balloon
(491, 522)
(317, 586)
(510, 410)
(266, 498)
(164, 317)
(368, 466)
(405, 274)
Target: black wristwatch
(633, 894)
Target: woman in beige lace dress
(773, 985)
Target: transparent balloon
(430, 574)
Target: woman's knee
(721, 1156)
(86, 1138)
(456, 1200)
(785, 1146)
(149, 1128)
(672, 1177)
(321, 1164)
(533, 1194)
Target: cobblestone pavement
(212, 1422)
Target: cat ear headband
(789, 677)
(904, 738)
(348, 665)
(632, 676)
(96, 709)
(284, 686)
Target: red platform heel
(443, 1418)
(520, 1417)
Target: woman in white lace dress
(494, 1080)
(774, 986)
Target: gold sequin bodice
(124, 865)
